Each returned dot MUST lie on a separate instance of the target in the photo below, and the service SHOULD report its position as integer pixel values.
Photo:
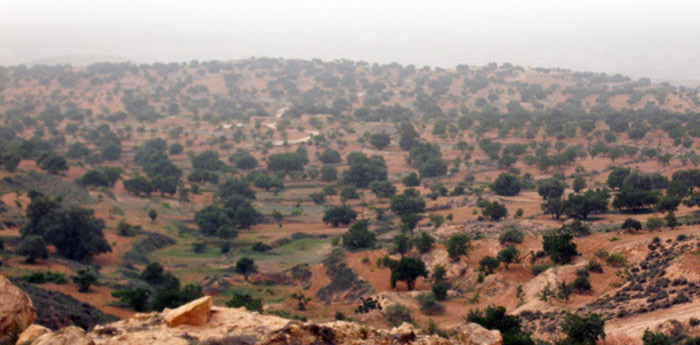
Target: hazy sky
(658, 39)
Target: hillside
(158, 180)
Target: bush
(397, 314)
(336, 215)
(429, 305)
(652, 338)
(359, 236)
(654, 223)
(594, 266)
(601, 254)
(260, 247)
(616, 260)
(582, 283)
(537, 269)
(506, 185)
(241, 299)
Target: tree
(494, 211)
(359, 236)
(138, 184)
(152, 214)
(411, 180)
(364, 170)
(33, 247)
(278, 217)
(52, 162)
(550, 189)
(671, 220)
(207, 160)
(631, 225)
(246, 267)
(668, 204)
(554, 206)
(402, 244)
(488, 264)
(337, 215)
(583, 330)
(508, 256)
(579, 184)
(407, 204)
(656, 338)
(213, 221)
(85, 278)
(383, 189)
(579, 206)
(330, 156)
(328, 173)
(424, 242)
(506, 185)
(10, 161)
(243, 160)
(408, 270)
(617, 177)
(380, 140)
(459, 245)
(74, 231)
(559, 245)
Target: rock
(32, 332)
(474, 334)
(193, 313)
(17, 311)
(70, 335)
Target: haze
(653, 39)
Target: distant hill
(76, 60)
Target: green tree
(246, 267)
(380, 140)
(407, 204)
(559, 245)
(579, 184)
(583, 330)
(506, 185)
(488, 264)
(152, 214)
(459, 245)
(509, 255)
(408, 270)
(337, 215)
(85, 278)
(33, 247)
(511, 236)
(631, 225)
(383, 189)
(359, 236)
(424, 242)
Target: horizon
(653, 40)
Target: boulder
(31, 333)
(193, 313)
(17, 311)
(474, 334)
(70, 335)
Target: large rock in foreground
(193, 313)
(17, 311)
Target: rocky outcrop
(193, 313)
(31, 333)
(198, 322)
(17, 311)
(70, 335)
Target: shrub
(654, 223)
(429, 305)
(397, 313)
(601, 254)
(537, 269)
(241, 299)
(506, 185)
(260, 247)
(616, 260)
(594, 266)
